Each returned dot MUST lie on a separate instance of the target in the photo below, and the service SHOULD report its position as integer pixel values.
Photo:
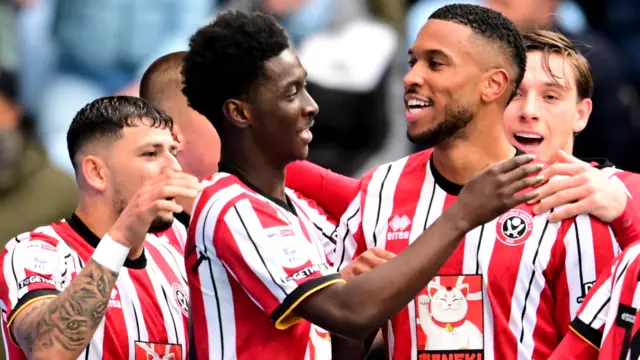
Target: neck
(481, 144)
(99, 219)
(257, 169)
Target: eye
(412, 63)
(149, 153)
(550, 97)
(434, 65)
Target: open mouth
(528, 139)
(306, 134)
(414, 106)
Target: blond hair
(550, 42)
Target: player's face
(546, 113)
(441, 87)
(282, 109)
(140, 155)
(199, 144)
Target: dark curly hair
(227, 57)
(494, 27)
(105, 118)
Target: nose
(530, 109)
(173, 164)
(414, 78)
(310, 107)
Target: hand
(366, 262)
(586, 189)
(154, 199)
(424, 300)
(496, 190)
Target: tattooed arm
(61, 327)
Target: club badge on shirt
(514, 227)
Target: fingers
(563, 157)
(171, 192)
(382, 253)
(555, 186)
(167, 205)
(569, 211)
(560, 198)
(522, 172)
(522, 184)
(513, 163)
(564, 169)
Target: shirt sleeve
(272, 258)
(574, 347)
(333, 192)
(587, 248)
(34, 267)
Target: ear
(464, 289)
(583, 111)
(178, 136)
(494, 85)
(94, 172)
(238, 112)
(433, 288)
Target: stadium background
(57, 55)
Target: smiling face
(441, 88)
(547, 111)
(281, 110)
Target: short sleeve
(34, 267)
(271, 255)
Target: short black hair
(227, 57)
(491, 25)
(104, 119)
(163, 77)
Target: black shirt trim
(92, 239)
(589, 334)
(288, 205)
(601, 163)
(445, 184)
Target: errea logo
(398, 225)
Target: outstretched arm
(333, 192)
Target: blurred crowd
(58, 55)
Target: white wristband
(110, 253)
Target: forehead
(283, 68)
(559, 70)
(144, 134)
(451, 38)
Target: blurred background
(58, 55)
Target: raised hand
(496, 190)
(584, 188)
(366, 262)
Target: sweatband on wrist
(110, 253)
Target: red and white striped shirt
(148, 310)
(250, 261)
(608, 319)
(508, 291)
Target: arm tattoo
(68, 321)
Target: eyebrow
(427, 53)
(556, 84)
(295, 81)
(158, 146)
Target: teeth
(416, 102)
(529, 136)
(414, 110)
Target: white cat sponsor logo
(114, 299)
(449, 318)
(514, 227)
(398, 225)
(39, 256)
(306, 272)
(36, 279)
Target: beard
(456, 118)
(158, 224)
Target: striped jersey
(607, 320)
(251, 259)
(508, 291)
(147, 314)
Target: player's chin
(161, 223)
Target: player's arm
(588, 190)
(574, 347)
(357, 308)
(61, 327)
(333, 192)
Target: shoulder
(407, 164)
